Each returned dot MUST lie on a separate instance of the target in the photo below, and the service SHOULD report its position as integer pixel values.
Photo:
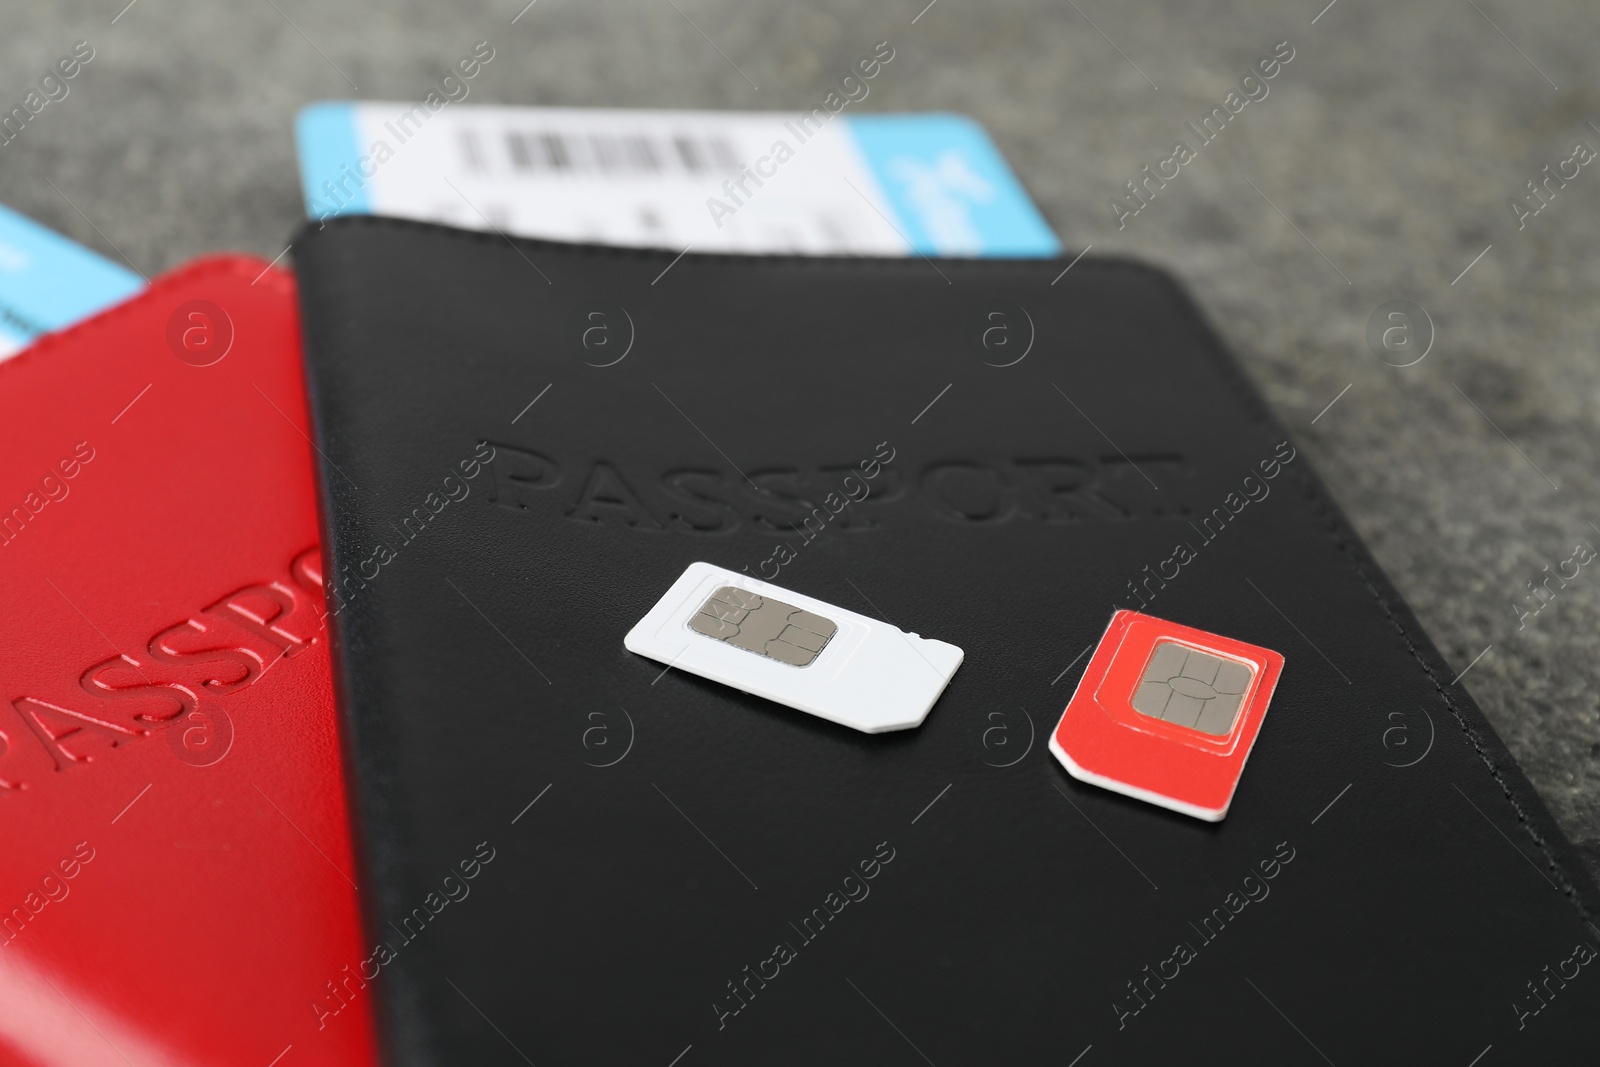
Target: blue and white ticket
(48, 282)
(714, 181)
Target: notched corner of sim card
(959, 655)
(1114, 785)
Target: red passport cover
(176, 873)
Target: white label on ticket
(762, 182)
(798, 651)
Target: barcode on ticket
(564, 152)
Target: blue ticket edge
(48, 282)
(948, 187)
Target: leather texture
(177, 880)
(681, 870)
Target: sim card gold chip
(1191, 688)
(763, 625)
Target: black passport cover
(525, 443)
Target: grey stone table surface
(1382, 164)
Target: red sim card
(1167, 713)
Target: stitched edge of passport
(1321, 503)
(1348, 541)
(201, 267)
(1474, 737)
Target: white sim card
(796, 650)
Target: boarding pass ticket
(759, 182)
